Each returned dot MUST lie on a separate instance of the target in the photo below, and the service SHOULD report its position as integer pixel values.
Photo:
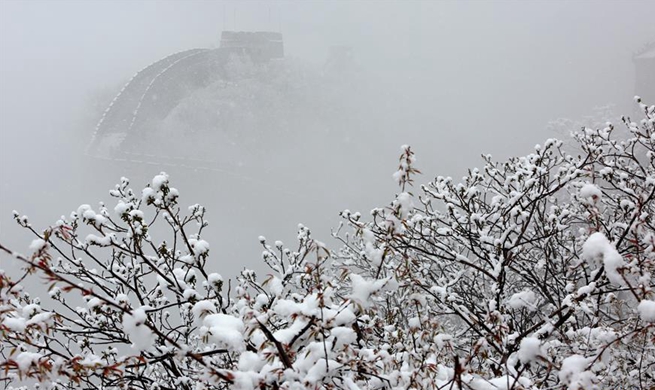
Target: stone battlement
(260, 45)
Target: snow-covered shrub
(534, 273)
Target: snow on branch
(532, 273)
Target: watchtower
(260, 46)
(644, 61)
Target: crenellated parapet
(644, 61)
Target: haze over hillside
(453, 79)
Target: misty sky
(465, 77)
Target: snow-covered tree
(534, 273)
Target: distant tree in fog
(534, 273)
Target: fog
(452, 79)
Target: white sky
(469, 77)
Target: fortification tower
(259, 45)
(644, 61)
